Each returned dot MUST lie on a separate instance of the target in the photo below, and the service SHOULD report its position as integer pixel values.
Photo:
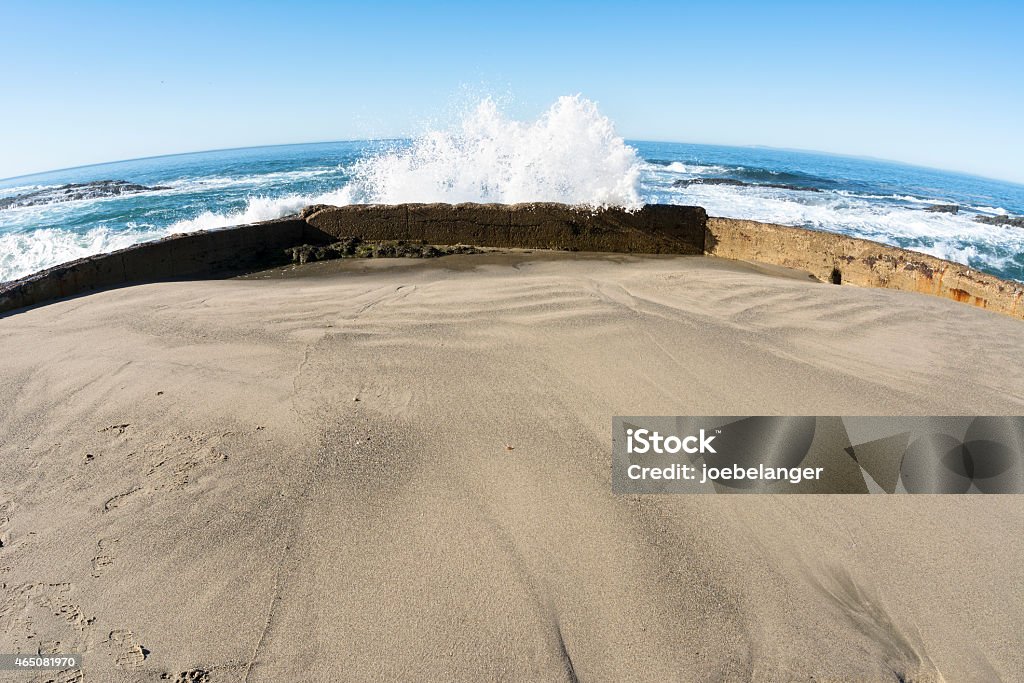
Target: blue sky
(937, 84)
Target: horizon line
(798, 150)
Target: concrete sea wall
(655, 229)
(191, 255)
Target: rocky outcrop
(74, 192)
(943, 208)
(1009, 221)
(355, 247)
(847, 260)
(686, 182)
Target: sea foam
(570, 154)
(24, 253)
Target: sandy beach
(400, 469)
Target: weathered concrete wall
(198, 254)
(656, 229)
(830, 258)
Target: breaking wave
(571, 154)
(24, 253)
(261, 209)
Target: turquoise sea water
(864, 198)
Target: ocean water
(569, 154)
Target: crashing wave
(571, 154)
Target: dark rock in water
(943, 208)
(353, 247)
(1011, 221)
(741, 183)
(709, 181)
(74, 192)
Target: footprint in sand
(43, 617)
(104, 557)
(5, 542)
(119, 429)
(5, 521)
(128, 653)
(66, 676)
(116, 501)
